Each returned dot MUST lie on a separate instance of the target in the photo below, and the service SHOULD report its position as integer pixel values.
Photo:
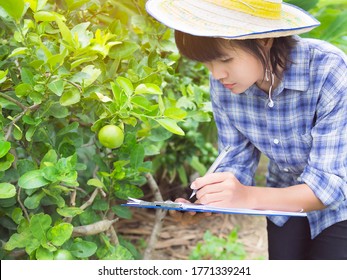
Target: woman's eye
(226, 59)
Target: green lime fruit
(111, 136)
(63, 254)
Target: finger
(210, 198)
(211, 178)
(180, 199)
(176, 214)
(213, 188)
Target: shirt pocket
(298, 147)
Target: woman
(278, 94)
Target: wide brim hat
(232, 19)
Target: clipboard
(192, 207)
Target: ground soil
(177, 240)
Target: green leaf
(126, 191)
(32, 180)
(23, 90)
(182, 173)
(141, 101)
(126, 85)
(4, 148)
(83, 249)
(122, 212)
(44, 16)
(39, 224)
(58, 111)
(64, 30)
(33, 201)
(60, 233)
(96, 183)
(75, 4)
(175, 113)
(69, 211)
(70, 97)
(49, 158)
(57, 87)
(124, 50)
(71, 127)
(17, 132)
(19, 240)
(197, 165)
(43, 254)
(120, 253)
(148, 89)
(171, 125)
(3, 76)
(18, 51)
(6, 162)
(36, 5)
(13, 8)
(17, 215)
(7, 190)
(137, 156)
(92, 74)
(83, 60)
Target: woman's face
(237, 69)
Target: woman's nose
(218, 71)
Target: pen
(215, 165)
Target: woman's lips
(229, 86)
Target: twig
(73, 198)
(90, 200)
(111, 231)
(154, 187)
(159, 217)
(9, 131)
(85, 205)
(9, 98)
(21, 205)
(93, 229)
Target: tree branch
(159, 217)
(9, 98)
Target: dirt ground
(176, 241)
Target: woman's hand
(222, 189)
(187, 217)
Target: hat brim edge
(253, 35)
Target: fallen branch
(93, 229)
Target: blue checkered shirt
(304, 133)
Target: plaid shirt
(304, 133)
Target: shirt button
(286, 170)
(276, 141)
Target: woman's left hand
(222, 189)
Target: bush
(69, 68)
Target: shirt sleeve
(243, 158)
(326, 171)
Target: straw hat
(232, 19)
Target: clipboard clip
(167, 203)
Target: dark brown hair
(205, 49)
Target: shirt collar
(297, 76)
